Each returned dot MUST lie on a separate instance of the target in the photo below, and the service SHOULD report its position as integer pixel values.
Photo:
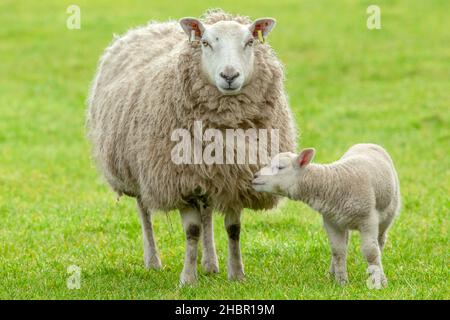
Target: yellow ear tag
(260, 36)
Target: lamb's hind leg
(338, 239)
(209, 256)
(383, 231)
(192, 227)
(233, 227)
(382, 237)
(371, 250)
(151, 258)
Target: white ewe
(155, 80)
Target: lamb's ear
(305, 157)
(193, 28)
(265, 25)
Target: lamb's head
(227, 58)
(284, 171)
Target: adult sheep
(154, 80)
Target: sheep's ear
(265, 25)
(193, 28)
(305, 157)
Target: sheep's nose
(256, 175)
(229, 76)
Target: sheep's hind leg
(383, 231)
(151, 257)
(192, 227)
(371, 250)
(382, 237)
(209, 256)
(338, 239)
(233, 227)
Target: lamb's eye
(205, 43)
(249, 43)
(280, 167)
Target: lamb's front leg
(338, 239)
(209, 256)
(233, 227)
(371, 250)
(192, 227)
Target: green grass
(346, 85)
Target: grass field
(346, 84)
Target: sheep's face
(227, 58)
(284, 171)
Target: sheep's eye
(249, 43)
(280, 167)
(205, 43)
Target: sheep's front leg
(371, 250)
(209, 256)
(338, 239)
(233, 227)
(192, 227)
(151, 258)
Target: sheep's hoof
(377, 280)
(152, 263)
(332, 268)
(331, 271)
(187, 279)
(341, 278)
(210, 267)
(384, 281)
(236, 275)
(376, 283)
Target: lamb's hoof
(384, 281)
(331, 272)
(210, 267)
(377, 280)
(341, 278)
(152, 263)
(188, 279)
(332, 269)
(236, 275)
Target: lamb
(359, 192)
(155, 80)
